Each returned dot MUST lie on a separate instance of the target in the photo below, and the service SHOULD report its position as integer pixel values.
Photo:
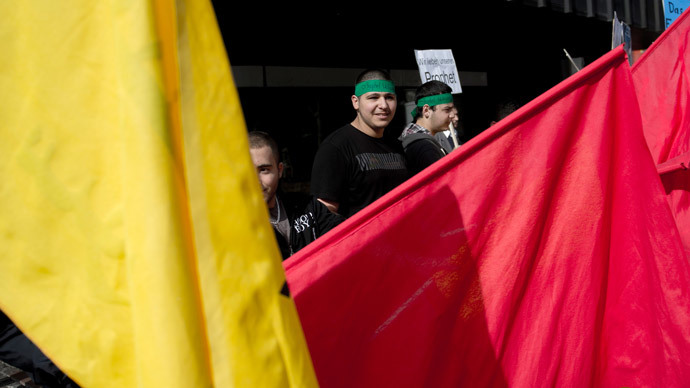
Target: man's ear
(355, 102)
(280, 169)
(426, 111)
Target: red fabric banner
(662, 83)
(541, 253)
(676, 180)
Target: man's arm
(327, 176)
(425, 153)
(331, 205)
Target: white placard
(438, 65)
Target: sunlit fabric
(662, 83)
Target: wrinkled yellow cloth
(134, 242)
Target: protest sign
(438, 65)
(673, 9)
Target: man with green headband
(356, 165)
(433, 113)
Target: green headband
(434, 100)
(374, 85)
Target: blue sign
(673, 9)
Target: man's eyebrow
(264, 165)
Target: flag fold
(662, 84)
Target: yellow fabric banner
(134, 240)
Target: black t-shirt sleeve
(311, 222)
(421, 154)
(325, 220)
(329, 174)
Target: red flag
(675, 175)
(662, 83)
(541, 253)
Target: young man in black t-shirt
(356, 165)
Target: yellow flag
(134, 241)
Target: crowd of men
(356, 164)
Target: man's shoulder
(295, 202)
(300, 205)
(340, 135)
(350, 137)
(414, 139)
(346, 142)
(428, 141)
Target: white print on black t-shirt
(372, 161)
(302, 222)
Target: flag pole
(571, 60)
(455, 137)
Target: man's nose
(382, 103)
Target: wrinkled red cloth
(662, 82)
(541, 253)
